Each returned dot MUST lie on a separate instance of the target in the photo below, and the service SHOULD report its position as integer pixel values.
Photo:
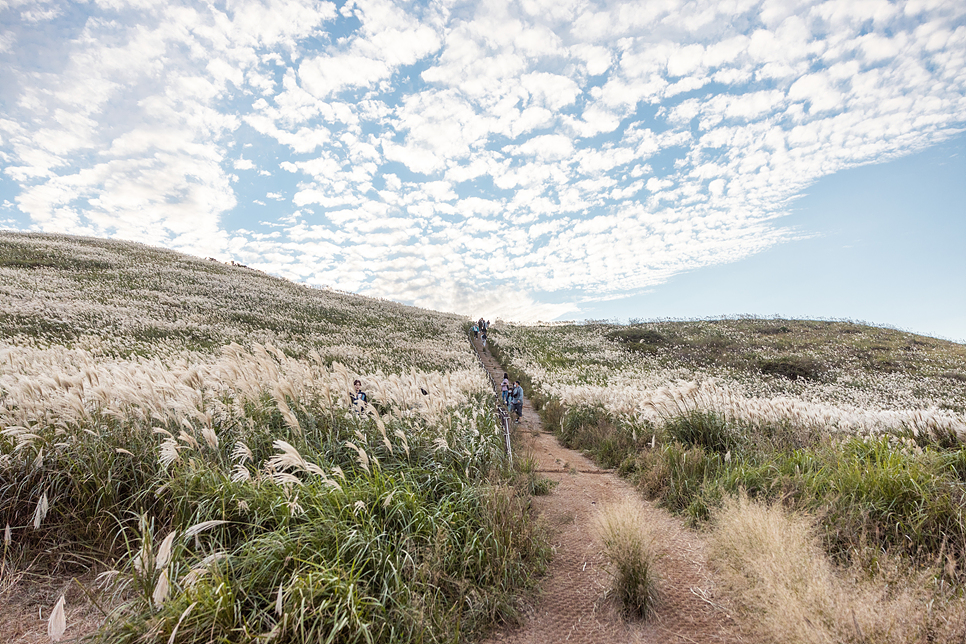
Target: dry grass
(631, 549)
(790, 592)
(27, 599)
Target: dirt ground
(26, 602)
(574, 604)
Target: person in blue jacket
(516, 400)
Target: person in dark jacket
(359, 398)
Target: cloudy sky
(538, 159)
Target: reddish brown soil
(575, 604)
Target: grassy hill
(185, 427)
(825, 460)
(125, 299)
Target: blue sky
(531, 160)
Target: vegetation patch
(631, 549)
(833, 447)
(793, 368)
(188, 431)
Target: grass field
(845, 435)
(184, 429)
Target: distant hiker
(476, 331)
(483, 335)
(505, 389)
(516, 398)
(482, 324)
(359, 398)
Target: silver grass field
(823, 460)
(184, 430)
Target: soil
(575, 603)
(26, 602)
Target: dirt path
(574, 605)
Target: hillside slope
(122, 299)
(188, 429)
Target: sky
(528, 160)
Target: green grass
(423, 546)
(877, 493)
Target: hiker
(484, 338)
(505, 389)
(476, 331)
(516, 397)
(359, 398)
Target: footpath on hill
(573, 604)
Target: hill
(824, 462)
(123, 299)
(186, 430)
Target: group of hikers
(512, 396)
(480, 328)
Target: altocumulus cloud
(522, 157)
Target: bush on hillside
(793, 368)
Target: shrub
(637, 335)
(704, 429)
(793, 368)
(631, 550)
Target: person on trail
(476, 331)
(505, 389)
(359, 398)
(483, 335)
(516, 398)
(482, 324)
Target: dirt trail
(574, 605)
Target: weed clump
(631, 549)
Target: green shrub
(704, 429)
(636, 336)
(793, 368)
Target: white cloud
(584, 148)
(330, 74)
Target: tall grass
(188, 426)
(788, 590)
(632, 551)
(365, 528)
